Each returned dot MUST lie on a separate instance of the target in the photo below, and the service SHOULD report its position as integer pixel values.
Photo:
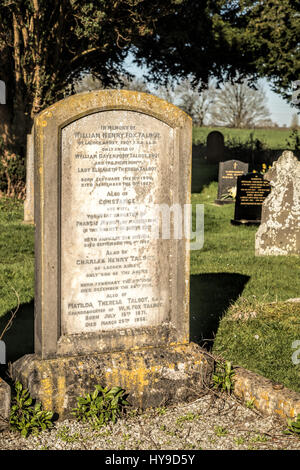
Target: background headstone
(111, 305)
(215, 147)
(2, 92)
(5, 403)
(29, 200)
(228, 173)
(279, 232)
(252, 190)
(2, 352)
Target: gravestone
(2, 352)
(252, 190)
(279, 232)
(215, 147)
(29, 200)
(111, 301)
(2, 92)
(5, 404)
(228, 173)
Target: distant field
(274, 139)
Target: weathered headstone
(2, 92)
(279, 232)
(228, 173)
(29, 200)
(5, 402)
(111, 302)
(2, 352)
(252, 190)
(215, 147)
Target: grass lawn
(273, 138)
(232, 295)
(231, 290)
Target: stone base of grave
(5, 398)
(221, 202)
(152, 377)
(245, 222)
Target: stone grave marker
(2, 352)
(29, 200)
(228, 173)
(111, 301)
(215, 147)
(279, 232)
(2, 92)
(252, 190)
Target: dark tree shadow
(19, 339)
(210, 296)
(203, 174)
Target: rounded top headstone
(215, 147)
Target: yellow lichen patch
(47, 392)
(280, 412)
(61, 392)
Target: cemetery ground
(238, 311)
(274, 139)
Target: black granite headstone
(252, 190)
(228, 173)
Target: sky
(280, 110)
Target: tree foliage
(202, 39)
(46, 45)
(227, 38)
(271, 35)
(238, 105)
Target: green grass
(274, 139)
(16, 278)
(16, 256)
(226, 277)
(259, 337)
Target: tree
(271, 35)
(217, 38)
(238, 105)
(294, 121)
(194, 102)
(89, 83)
(166, 92)
(201, 39)
(45, 46)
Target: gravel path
(210, 422)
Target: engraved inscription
(253, 191)
(113, 274)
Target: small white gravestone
(2, 352)
(2, 92)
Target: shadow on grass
(203, 174)
(19, 339)
(210, 296)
